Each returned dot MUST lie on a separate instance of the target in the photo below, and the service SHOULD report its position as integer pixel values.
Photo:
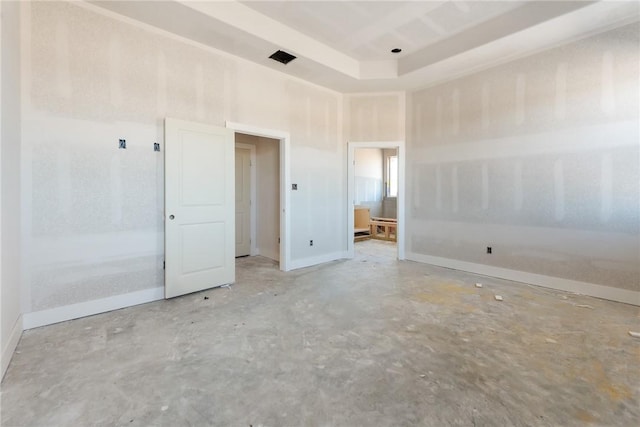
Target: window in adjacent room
(391, 176)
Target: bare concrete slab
(364, 342)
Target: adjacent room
(332, 213)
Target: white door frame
(285, 172)
(351, 191)
(252, 209)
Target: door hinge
(278, 240)
(163, 264)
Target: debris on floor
(498, 298)
(551, 341)
(634, 334)
(164, 408)
(584, 306)
(478, 285)
(206, 297)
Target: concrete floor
(366, 342)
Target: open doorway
(262, 174)
(257, 173)
(376, 192)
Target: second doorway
(257, 170)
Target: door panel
(243, 201)
(199, 207)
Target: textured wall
(10, 292)
(538, 158)
(374, 117)
(95, 213)
(268, 209)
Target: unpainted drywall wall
(95, 213)
(538, 158)
(368, 179)
(374, 117)
(268, 195)
(10, 320)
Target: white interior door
(199, 207)
(243, 201)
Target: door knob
(171, 217)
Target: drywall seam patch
(558, 175)
(606, 188)
(439, 116)
(115, 75)
(455, 106)
(63, 69)
(521, 91)
(454, 188)
(608, 103)
(439, 187)
(584, 288)
(517, 186)
(590, 137)
(561, 91)
(486, 105)
(161, 92)
(88, 308)
(485, 186)
(200, 91)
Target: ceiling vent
(282, 56)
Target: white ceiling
(345, 45)
(369, 30)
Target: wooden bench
(383, 228)
(361, 224)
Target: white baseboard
(88, 308)
(274, 256)
(320, 259)
(584, 288)
(10, 348)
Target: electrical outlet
(294, 186)
(122, 144)
(488, 249)
(156, 146)
(310, 242)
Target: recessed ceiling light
(282, 56)
(396, 50)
